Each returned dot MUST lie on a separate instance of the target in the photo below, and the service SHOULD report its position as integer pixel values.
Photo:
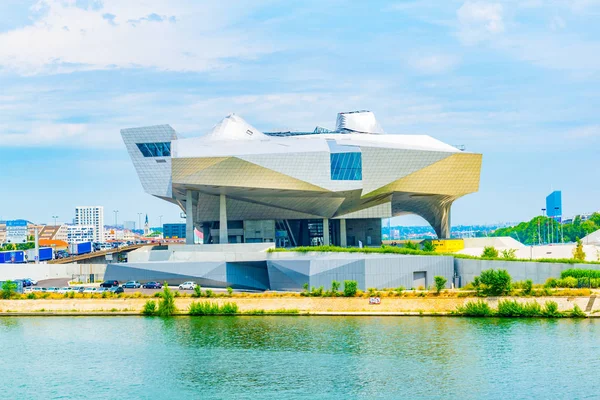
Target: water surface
(298, 357)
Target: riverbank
(391, 306)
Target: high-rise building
(174, 231)
(554, 204)
(81, 233)
(91, 215)
(129, 225)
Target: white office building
(91, 215)
(81, 233)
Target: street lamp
(546, 222)
(55, 217)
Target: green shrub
(411, 245)
(197, 291)
(229, 291)
(166, 306)
(176, 293)
(440, 283)
(9, 289)
(493, 283)
(335, 287)
(104, 294)
(550, 310)
(209, 293)
(580, 273)
(72, 294)
(350, 288)
(577, 312)
(210, 308)
(509, 254)
(158, 294)
(428, 246)
(489, 252)
(528, 287)
(551, 283)
(578, 253)
(399, 290)
(31, 296)
(512, 308)
(567, 282)
(478, 308)
(149, 308)
(317, 292)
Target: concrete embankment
(301, 305)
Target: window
(346, 166)
(162, 149)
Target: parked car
(64, 290)
(152, 285)
(90, 290)
(33, 281)
(108, 284)
(52, 290)
(38, 289)
(187, 285)
(116, 289)
(132, 285)
(25, 282)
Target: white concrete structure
(302, 183)
(91, 215)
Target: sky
(518, 81)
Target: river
(298, 357)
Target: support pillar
(189, 218)
(326, 240)
(343, 241)
(223, 235)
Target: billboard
(554, 204)
(16, 231)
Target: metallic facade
(238, 173)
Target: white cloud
(175, 35)
(479, 20)
(433, 63)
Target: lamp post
(55, 217)
(544, 215)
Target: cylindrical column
(189, 218)
(343, 241)
(223, 235)
(326, 232)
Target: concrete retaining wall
(49, 271)
(538, 272)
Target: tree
(440, 283)
(9, 289)
(578, 253)
(493, 283)
(428, 246)
(350, 288)
(489, 252)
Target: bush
(176, 293)
(149, 308)
(335, 287)
(578, 253)
(411, 245)
(197, 291)
(317, 292)
(550, 310)
(568, 282)
(512, 308)
(577, 312)
(209, 293)
(229, 291)
(489, 252)
(580, 273)
(210, 308)
(399, 290)
(428, 246)
(350, 288)
(509, 254)
(166, 306)
(440, 283)
(31, 296)
(9, 289)
(493, 283)
(478, 308)
(551, 283)
(528, 287)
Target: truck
(12, 257)
(80, 248)
(46, 254)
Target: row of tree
(544, 230)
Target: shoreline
(286, 306)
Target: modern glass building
(240, 185)
(554, 205)
(174, 231)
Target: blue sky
(518, 81)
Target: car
(108, 284)
(24, 282)
(38, 289)
(187, 285)
(78, 289)
(65, 289)
(132, 285)
(33, 281)
(91, 290)
(116, 289)
(52, 290)
(152, 285)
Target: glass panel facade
(162, 149)
(346, 166)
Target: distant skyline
(516, 80)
